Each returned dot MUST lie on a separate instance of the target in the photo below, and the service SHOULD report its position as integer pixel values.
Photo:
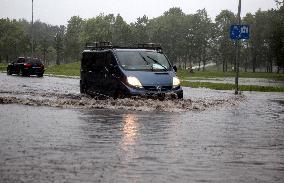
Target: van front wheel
(9, 72)
(180, 95)
(82, 89)
(118, 94)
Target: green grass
(71, 69)
(185, 74)
(3, 67)
(225, 86)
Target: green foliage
(265, 47)
(12, 40)
(73, 39)
(225, 46)
(140, 30)
(170, 31)
(98, 28)
(71, 69)
(3, 67)
(187, 39)
(15, 39)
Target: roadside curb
(62, 76)
(54, 75)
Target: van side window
(98, 63)
(110, 59)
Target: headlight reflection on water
(129, 129)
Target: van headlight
(133, 81)
(176, 82)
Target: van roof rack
(99, 45)
(108, 45)
(153, 46)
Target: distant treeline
(192, 39)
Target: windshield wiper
(148, 63)
(157, 63)
(144, 58)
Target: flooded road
(236, 140)
(64, 92)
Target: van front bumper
(154, 91)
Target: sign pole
(238, 53)
(32, 36)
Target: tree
(200, 34)
(13, 41)
(121, 32)
(169, 31)
(225, 46)
(185, 38)
(277, 36)
(73, 40)
(247, 51)
(139, 29)
(98, 29)
(59, 45)
(43, 39)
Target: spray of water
(70, 100)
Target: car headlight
(176, 82)
(133, 81)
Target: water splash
(70, 100)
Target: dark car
(26, 67)
(128, 71)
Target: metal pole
(238, 53)
(32, 29)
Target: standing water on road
(227, 143)
(64, 92)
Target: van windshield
(142, 60)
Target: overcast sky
(58, 12)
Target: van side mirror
(175, 68)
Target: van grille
(155, 88)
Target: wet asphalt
(241, 142)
